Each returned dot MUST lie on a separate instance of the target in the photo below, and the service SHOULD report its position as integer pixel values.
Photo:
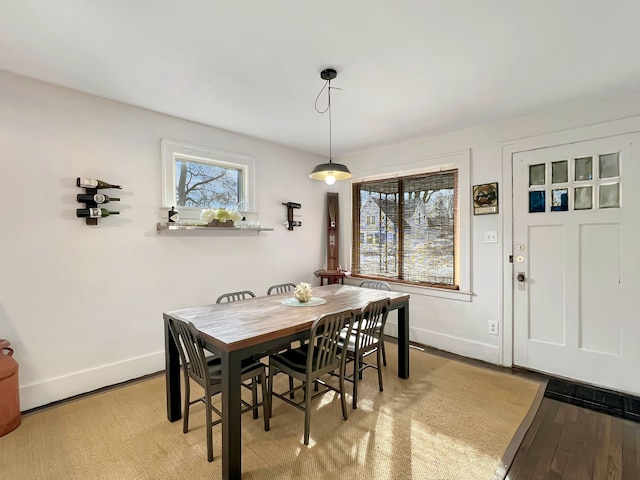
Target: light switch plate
(490, 236)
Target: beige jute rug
(449, 420)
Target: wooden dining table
(238, 330)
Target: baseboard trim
(60, 388)
(449, 343)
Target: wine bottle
(97, 198)
(174, 216)
(94, 212)
(93, 183)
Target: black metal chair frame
(235, 296)
(378, 285)
(321, 356)
(275, 290)
(281, 288)
(365, 339)
(207, 372)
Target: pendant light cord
(328, 86)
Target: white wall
(81, 305)
(454, 324)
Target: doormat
(594, 398)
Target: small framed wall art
(485, 199)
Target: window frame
(460, 160)
(400, 181)
(173, 149)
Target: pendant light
(329, 172)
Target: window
(405, 228)
(195, 178)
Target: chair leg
(384, 351)
(270, 391)
(265, 402)
(307, 415)
(379, 354)
(207, 403)
(343, 399)
(357, 374)
(254, 396)
(187, 400)
(292, 394)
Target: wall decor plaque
(485, 199)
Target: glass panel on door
(583, 198)
(537, 174)
(584, 168)
(609, 165)
(610, 196)
(559, 172)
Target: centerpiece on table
(303, 297)
(219, 217)
(303, 292)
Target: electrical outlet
(493, 327)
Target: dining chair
(207, 372)
(312, 360)
(235, 296)
(378, 285)
(363, 340)
(275, 290)
(282, 288)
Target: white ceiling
(406, 67)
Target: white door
(576, 221)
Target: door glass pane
(560, 200)
(584, 168)
(610, 165)
(536, 201)
(610, 195)
(536, 174)
(583, 198)
(559, 173)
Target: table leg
(172, 375)
(403, 340)
(231, 421)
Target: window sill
(423, 291)
(437, 292)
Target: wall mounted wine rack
(93, 191)
(290, 223)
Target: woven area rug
(449, 421)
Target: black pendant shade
(329, 172)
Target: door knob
(520, 277)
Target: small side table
(332, 276)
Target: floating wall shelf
(172, 228)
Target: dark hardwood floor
(570, 442)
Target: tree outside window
(207, 185)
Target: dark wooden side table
(332, 276)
